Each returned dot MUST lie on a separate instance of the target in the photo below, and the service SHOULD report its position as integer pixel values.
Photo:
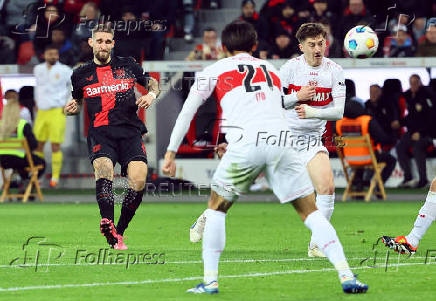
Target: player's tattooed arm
(153, 86)
(73, 107)
(146, 100)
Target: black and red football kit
(115, 130)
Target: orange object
(356, 127)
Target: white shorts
(307, 145)
(307, 154)
(284, 170)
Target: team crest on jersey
(313, 83)
(120, 73)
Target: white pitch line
(169, 262)
(186, 262)
(250, 275)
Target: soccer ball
(361, 42)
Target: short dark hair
(11, 91)
(415, 76)
(103, 28)
(51, 47)
(209, 28)
(239, 36)
(245, 2)
(310, 30)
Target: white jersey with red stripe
(249, 93)
(329, 83)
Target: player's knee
(326, 188)
(103, 168)
(218, 203)
(137, 178)
(55, 147)
(137, 183)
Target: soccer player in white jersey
(315, 89)
(426, 216)
(249, 92)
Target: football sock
(326, 204)
(131, 202)
(214, 240)
(426, 216)
(105, 198)
(324, 235)
(56, 165)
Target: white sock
(426, 216)
(324, 235)
(326, 204)
(214, 240)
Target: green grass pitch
(265, 256)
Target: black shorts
(120, 144)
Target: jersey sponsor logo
(323, 96)
(96, 91)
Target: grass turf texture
(254, 231)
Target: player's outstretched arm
(72, 107)
(192, 103)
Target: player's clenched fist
(306, 93)
(169, 165)
(72, 107)
(220, 149)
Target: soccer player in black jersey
(106, 84)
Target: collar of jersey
(242, 54)
(314, 68)
(98, 66)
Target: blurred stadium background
(177, 39)
(182, 37)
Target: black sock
(130, 204)
(105, 198)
